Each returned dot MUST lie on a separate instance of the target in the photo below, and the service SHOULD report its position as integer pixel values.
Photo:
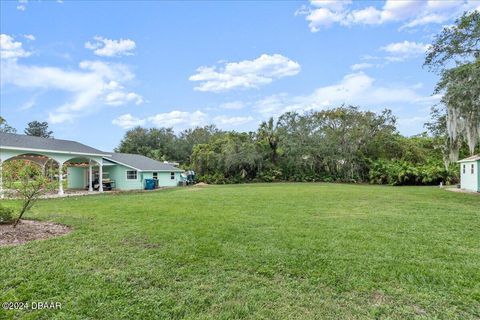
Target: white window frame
(472, 170)
(136, 175)
(153, 175)
(172, 175)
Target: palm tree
(268, 131)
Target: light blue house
(126, 172)
(470, 173)
(87, 168)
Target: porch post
(60, 178)
(90, 189)
(1, 179)
(100, 176)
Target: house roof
(30, 143)
(141, 163)
(472, 158)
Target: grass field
(271, 251)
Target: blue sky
(95, 69)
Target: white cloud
(331, 4)
(127, 121)
(369, 15)
(111, 48)
(402, 50)
(411, 13)
(360, 66)
(118, 98)
(30, 37)
(178, 119)
(22, 5)
(181, 120)
(231, 121)
(233, 105)
(355, 88)
(406, 47)
(90, 87)
(245, 74)
(11, 49)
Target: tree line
(343, 144)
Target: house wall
(468, 180)
(119, 174)
(478, 176)
(75, 178)
(164, 178)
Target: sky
(94, 69)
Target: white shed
(470, 173)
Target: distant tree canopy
(38, 129)
(455, 53)
(4, 127)
(457, 44)
(338, 144)
(163, 144)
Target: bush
(398, 172)
(6, 215)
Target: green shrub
(398, 173)
(6, 215)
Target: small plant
(29, 184)
(6, 215)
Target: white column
(90, 188)
(100, 176)
(1, 180)
(60, 178)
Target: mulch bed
(28, 230)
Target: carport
(41, 151)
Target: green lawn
(271, 251)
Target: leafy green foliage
(162, 143)
(38, 129)
(456, 53)
(4, 127)
(399, 173)
(28, 182)
(460, 43)
(6, 215)
(334, 145)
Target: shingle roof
(472, 158)
(142, 163)
(20, 141)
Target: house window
(131, 175)
(155, 175)
(464, 168)
(472, 170)
(172, 175)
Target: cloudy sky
(95, 69)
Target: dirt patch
(201, 184)
(28, 230)
(379, 298)
(462, 191)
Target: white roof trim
(126, 165)
(473, 158)
(123, 164)
(56, 151)
(176, 170)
